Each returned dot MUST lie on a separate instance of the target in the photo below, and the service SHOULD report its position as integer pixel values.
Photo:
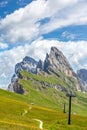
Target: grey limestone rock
(82, 74)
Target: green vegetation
(13, 116)
(51, 79)
(17, 112)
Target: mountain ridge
(55, 64)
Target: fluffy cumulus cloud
(72, 14)
(75, 52)
(3, 45)
(24, 24)
(29, 23)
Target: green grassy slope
(49, 96)
(17, 112)
(52, 79)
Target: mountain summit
(56, 61)
(28, 64)
(55, 66)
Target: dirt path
(41, 123)
(25, 112)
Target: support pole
(70, 95)
(69, 116)
(64, 110)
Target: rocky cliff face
(54, 63)
(82, 74)
(28, 64)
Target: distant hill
(55, 72)
(82, 74)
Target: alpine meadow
(43, 64)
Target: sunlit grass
(12, 107)
(17, 112)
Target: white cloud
(68, 35)
(23, 25)
(3, 45)
(72, 14)
(3, 75)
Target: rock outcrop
(82, 74)
(56, 61)
(28, 64)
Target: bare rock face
(82, 74)
(14, 86)
(28, 64)
(56, 61)
(18, 88)
(40, 66)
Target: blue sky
(32, 27)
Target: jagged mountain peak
(59, 56)
(56, 52)
(54, 49)
(55, 63)
(28, 64)
(28, 59)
